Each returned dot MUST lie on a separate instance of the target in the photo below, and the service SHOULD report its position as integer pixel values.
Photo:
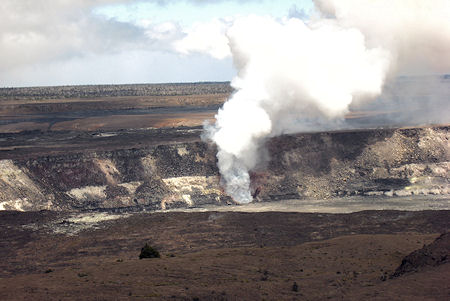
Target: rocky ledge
(170, 174)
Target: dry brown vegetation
(220, 256)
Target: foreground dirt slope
(219, 256)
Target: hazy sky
(62, 42)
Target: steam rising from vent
(295, 76)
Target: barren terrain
(107, 114)
(220, 256)
(89, 174)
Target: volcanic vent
(390, 162)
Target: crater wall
(389, 162)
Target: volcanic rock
(432, 255)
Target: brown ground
(32, 144)
(111, 123)
(31, 114)
(205, 256)
(27, 112)
(30, 106)
(220, 256)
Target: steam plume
(295, 76)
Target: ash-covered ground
(100, 171)
(225, 256)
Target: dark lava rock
(434, 254)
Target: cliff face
(164, 176)
(369, 162)
(320, 165)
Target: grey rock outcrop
(391, 162)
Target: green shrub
(149, 252)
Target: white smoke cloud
(294, 76)
(416, 32)
(206, 37)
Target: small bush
(149, 252)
